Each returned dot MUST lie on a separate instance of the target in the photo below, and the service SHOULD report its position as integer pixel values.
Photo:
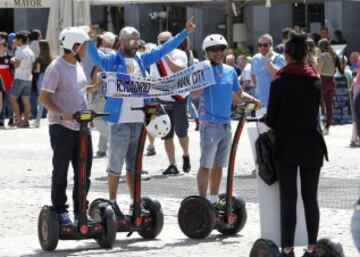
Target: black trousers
(287, 175)
(65, 146)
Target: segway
(266, 247)
(147, 218)
(197, 217)
(103, 230)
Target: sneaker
(90, 220)
(145, 175)
(313, 254)
(11, 122)
(171, 170)
(150, 151)
(219, 205)
(186, 164)
(116, 209)
(22, 124)
(36, 124)
(355, 143)
(143, 210)
(64, 218)
(290, 254)
(100, 154)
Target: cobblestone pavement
(25, 166)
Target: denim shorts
(215, 142)
(123, 144)
(21, 88)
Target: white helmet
(160, 126)
(71, 36)
(214, 40)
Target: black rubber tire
(239, 210)
(95, 204)
(157, 217)
(48, 229)
(196, 217)
(330, 247)
(264, 248)
(107, 239)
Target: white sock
(113, 200)
(213, 198)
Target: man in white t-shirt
(245, 77)
(23, 63)
(175, 106)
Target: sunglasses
(135, 42)
(215, 49)
(264, 45)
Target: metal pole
(229, 23)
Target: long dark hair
(296, 47)
(44, 53)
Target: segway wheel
(264, 248)
(108, 220)
(239, 210)
(48, 229)
(196, 217)
(157, 218)
(95, 204)
(330, 247)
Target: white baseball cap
(109, 36)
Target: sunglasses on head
(215, 49)
(135, 42)
(264, 45)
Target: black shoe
(150, 151)
(100, 154)
(171, 170)
(90, 220)
(186, 164)
(290, 254)
(116, 209)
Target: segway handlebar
(88, 115)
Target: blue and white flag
(122, 85)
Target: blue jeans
(215, 142)
(123, 143)
(355, 226)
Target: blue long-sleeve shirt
(116, 62)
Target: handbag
(265, 156)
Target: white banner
(122, 85)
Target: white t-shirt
(179, 57)
(27, 59)
(127, 115)
(246, 74)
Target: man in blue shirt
(125, 123)
(264, 66)
(215, 116)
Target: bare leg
(170, 150)
(15, 106)
(215, 180)
(27, 107)
(202, 181)
(130, 183)
(184, 142)
(113, 186)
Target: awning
(26, 3)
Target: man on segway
(126, 119)
(63, 93)
(215, 116)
